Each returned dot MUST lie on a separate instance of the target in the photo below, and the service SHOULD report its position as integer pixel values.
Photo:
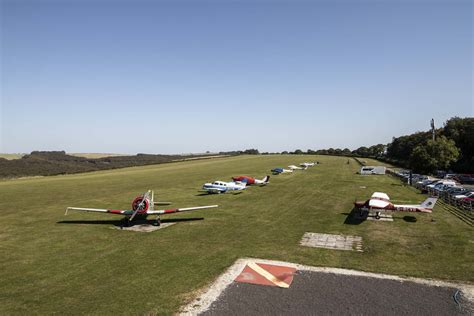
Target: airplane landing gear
(377, 215)
(157, 222)
(125, 223)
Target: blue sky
(192, 76)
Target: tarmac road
(317, 293)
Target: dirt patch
(143, 228)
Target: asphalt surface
(327, 293)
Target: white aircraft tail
(152, 204)
(429, 203)
(266, 179)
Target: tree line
(452, 149)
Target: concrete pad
(144, 228)
(329, 241)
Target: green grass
(49, 267)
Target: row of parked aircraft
(143, 205)
(240, 183)
(237, 184)
(291, 168)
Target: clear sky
(191, 76)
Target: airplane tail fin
(429, 203)
(152, 204)
(266, 179)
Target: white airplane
(307, 164)
(223, 187)
(293, 167)
(281, 170)
(380, 201)
(142, 206)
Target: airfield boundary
(79, 261)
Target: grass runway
(76, 268)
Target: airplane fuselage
(222, 187)
(250, 180)
(364, 206)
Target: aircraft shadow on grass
(355, 217)
(208, 194)
(120, 223)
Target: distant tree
(434, 155)
(401, 147)
(346, 152)
(338, 151)
(461, 130)
(251, 152)
(310, 152)
(331, 151)
(376, 150)
(321, 152)
(298, 152)
(284, 152)
(362, 151)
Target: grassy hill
(51, 266)
(47, 163)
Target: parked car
(468, 194)
(465, 178)
(440, 187)
(441, 182)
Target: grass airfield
(86, 266)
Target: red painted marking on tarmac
(280, 273)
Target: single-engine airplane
(250, 180)
(307, 164)
(281, 170)
(142, 206)
(223, 187)
(293, 167)
(380, 201)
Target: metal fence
(463, 204)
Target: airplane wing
(378, 203)
(121, 212)
(177, 210)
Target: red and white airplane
(142, 206)
(381, 202)
(250, 180)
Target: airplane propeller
(140, 206)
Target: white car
(465, 195)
